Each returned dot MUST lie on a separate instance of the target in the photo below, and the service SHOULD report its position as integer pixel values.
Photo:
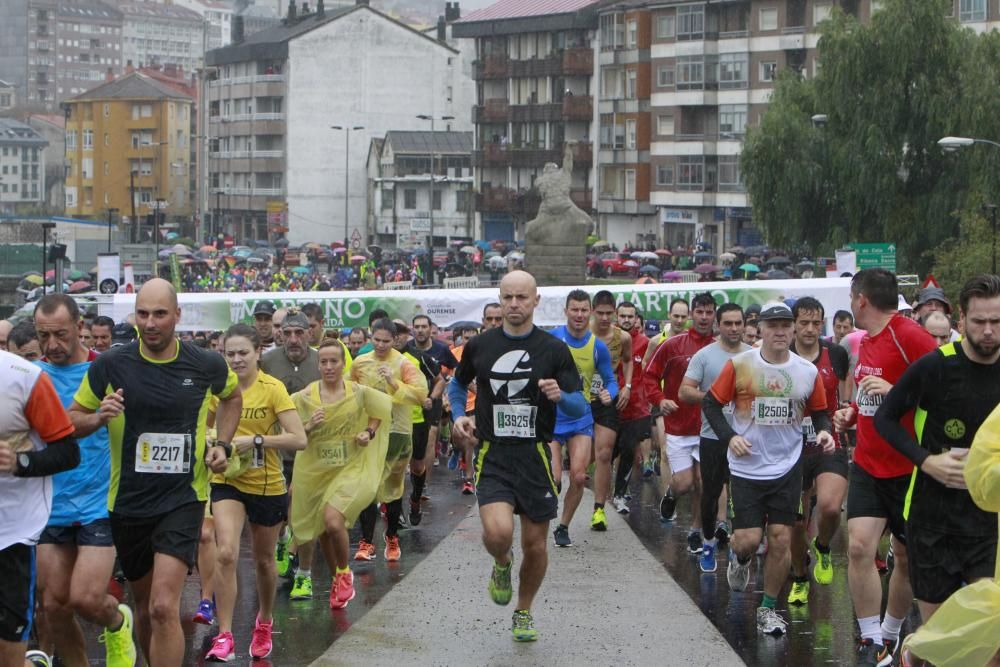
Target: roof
(4, 84)
(154, 10)
(55, 119)
(16, 132)
(425, 142)
(512, 9)
(93, 11)
(131, 86)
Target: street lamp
(430, 236)
(347, 162)
(819, 119)
(111, 212)
(46, 226)
(952, 144)
(160, 201)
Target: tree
(874, 172)
(958, 259)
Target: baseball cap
(123, 333)
(264, 308)
(295, 321)
(775, 311)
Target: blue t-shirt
(602, 362)
(80, 495)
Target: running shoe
(453, 459)
(668, 506)
(206, 613)
(707, 562)
(799, 594)
(620, 504)
(599, 521)
(302, 588)
(119, 646)
(561, 535)
(260, 643)
(523, 626)
(694, 542)
(415, 514)
(647, 468)
(891, 649)
(366, 551)
(499, 585)
(737, 574)
(281, 558)
(392, 552)
(37, 658)
(342, 591)
(823, 572)
(770, 623)
(722, 531)
(223, 648)
(871, 654)
(467, 488)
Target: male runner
(950, 540)
(681, 422)
(843, 324)
(770, 390)
(154, 394)
(593, 363)
(425, 344)
(822, 472)
(938, 326)
(880, 476)
(76, 555)
(23, 341)
(101, 330)
(679, 314)
(633, 436)
(522, 374)
(263, 322)
(606, 420)
(86, 337)
(702, 371)
(356, 340)
(431, 370)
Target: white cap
(902, 304)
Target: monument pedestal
(557, 263)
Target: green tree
(874, 172)
(970, 253)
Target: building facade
(22, 167)
(52, 128)
(130, 136)
(219, 20)
(272, 97)
(154, 33)
(8, 96)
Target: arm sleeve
(821, 422)
(93, 388)
(573, 403)
(712, 409)
(603, 360)
(458, 395)
(58, 455)
(466, 371)
(904, 396)
(982, 468)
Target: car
(615, 263)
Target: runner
(632, 443)
(424, 344)
(879, 476)
(153, 393)
(263, 322)
(421, 415)
(938, 326)
(751, 333)
(593, 363)
(680, 318)
(770, 391)
(251, 489)
(357, 339)
(5, 327)
(702, 371)
(385, 369)
(23, 341)
(76, 556)
(101, 329)
(606, 419)
(950, 541)
(522, 374)
(338, 474)
(86, 336)
(682, 423)
(843, 324)
(822, 473)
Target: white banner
(463, 282)
(128, 283)
(847, 262)
(108, 273)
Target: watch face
(24, 460)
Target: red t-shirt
(668, 365)
(637, 406)
(886, 355)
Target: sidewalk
(604, 601)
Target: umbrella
(778, 261)
(671, 275)
(702, 254)
(637, 254)
(750, 268)
(374, 249)
(33, 278)
(727, 257)
(50, 274)
(180, 249)
(520, 255)
(663, 252)
(706, 268)
(464, 324)
(497, 262)
(485, 245)
(333, 244)
(419, 251)
(208, 248)
(630, 263)
(601, 244)
(469, 249)
(30, 273)
(358, 258)
(256, 260)
(339, 250)
(804, 264)
(776, 274)
(649, 268)
(736, 249)
(301, 269)
(282, 243)
(80, 286)
(77, 274)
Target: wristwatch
(371, 433)
(23, 461)
(258, 441)
(226, 447)
(628, 386)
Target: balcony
(578, 107)
(495, 66)
(236, 155)
(499, 155)
(578, 61)
(582, 198)
(251, 192)
(535, 113)
(550, 66)
(495, 110)
(505, 199)
(583, 153)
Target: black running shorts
(940, 563)
(175, 533)
(433, 416)
(261, 510)
(17, 595)
(630, 434)
(869, 496)
(519, 475)
(420, 433)
(815, 463)
(758, 502)
(605, 415)
(94, 534)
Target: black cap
(264, 308)
(297, 320)
(123, 333)
(775, 311)
(933, 294)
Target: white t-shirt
(704, 367)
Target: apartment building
(271, 100)
(154, 33)
(534, 77)
(8, 96)
(22, 167)
(218, 17)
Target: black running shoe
(561, 536)
(694, 542)
(668, 506)
(415, 515)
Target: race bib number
(163, 453)
(334, 454)
(809, 431)
(514, 421)
(596, 385)
(770, 411)
(868, 404)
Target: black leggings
(714, 475)
(369, 517)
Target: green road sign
(872, 255)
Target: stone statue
(555, 241)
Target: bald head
(520, 280)
(156, 316)
(518, 298)
(938, 325)
(5, 328)
(158, 291)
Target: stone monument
(555, 249)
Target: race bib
(333, 454)
(163, 453)
(514, 421)
(868, 404)
(771, 411)
(809, 431)
(596, 385)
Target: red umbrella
(358, 258)
(336, 244)
(707, 268)
(663, 252)
(80, 286)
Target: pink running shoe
(260, 644)
(223, 648)
(342, 591)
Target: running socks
(343, 570)
(768, 602)
(871, 629)
(891, 627)
(822, 548)
(418, 482)
(299, 572)
(393, 511)
(598, 506)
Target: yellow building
(132, 132)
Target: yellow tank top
(615, 347)
(583, 357)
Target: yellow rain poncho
(965, 630)
(411, 390)
(333, 469)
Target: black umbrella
(649, 268)
(778, 261)
(282, 242)
(776, 274)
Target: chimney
(320, 9)
(291, 11)
(442, 30)
(109, 75)
(452, 12)
(305, 9)
(237, 30)
(129, 68)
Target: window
(691, 22)
(732, 119)
(971, 10)
(88, 140)
(666, 27)
(729, 173)
(70, 197)
(665, 124)
(71, 140)
(768, 70)
(665, 76)
(664, 174)
(461, 201)
(147, 110)
(437, 200)
(107, 168)
(691, 174)
(690, 72)
(821, 12)
(107, 110)
(87, 167)
(630, 84)
(630, 184)
(409, 199)
(630, 134)
(733, 70)
(632, 34)
(767, 19)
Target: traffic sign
(875, 255)
(930, 281)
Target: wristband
(226, 447)
(371, 433)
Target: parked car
(615, 263)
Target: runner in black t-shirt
(521, 373)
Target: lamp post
(156, 236)
(46, 226)
(952, 144)
(347, 181)
(430, 236)
(111, 212)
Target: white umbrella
(497, 262)
(515, 255)
(638, 254)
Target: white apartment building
(22, 166)
(157, 34)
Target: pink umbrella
(706, 268)
(631, 264)
(358, 258)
